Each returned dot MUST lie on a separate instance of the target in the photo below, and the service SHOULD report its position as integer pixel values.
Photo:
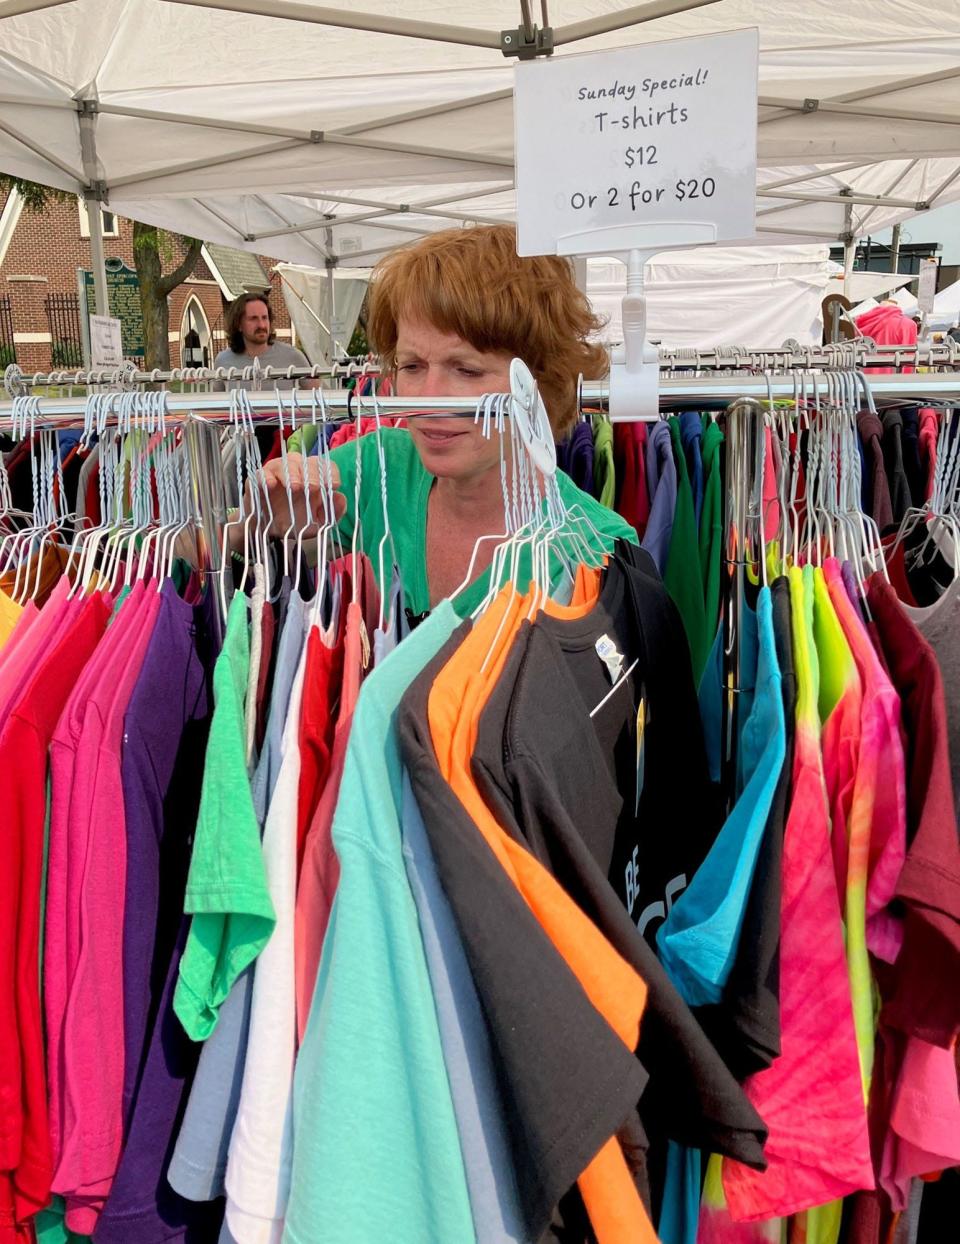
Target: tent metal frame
(367, 134)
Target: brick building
(40, 305)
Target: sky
(941, 225)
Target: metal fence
(63, 317)
(8, 349)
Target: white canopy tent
(946, 307)
(758, 296)
(319, 132)
(323, 331)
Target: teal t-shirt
(408, 488)
(377, 1154)
(227, 884)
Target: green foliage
(358, 342)
(35, 197)
(169, 246)
(8, 355)
(66, 354)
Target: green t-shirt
(408, 488)
(711, 523)
(604, 472)
(227, 884)
(371, 1063)
(683, 576)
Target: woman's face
(431, 363)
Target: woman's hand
(304, 474)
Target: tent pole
(635, 16)
(849, 248)
(374, 22)
(868, 200)
(97, 258)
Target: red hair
(472, 282)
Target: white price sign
(636, 145)
(927, 287)
(106, 344)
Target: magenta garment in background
(91, 1115)
(65, 864)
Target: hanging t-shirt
(662, 491)
(10, 613)
(320, 873)
(691, 439)
(198, 1165)
(749, 1039)
(226, 887)
(165, 734)
(878, 490)
(482, 1122)
(818, 1146)
(92, 1115)
(456, 699)
(539, 768)
(629, 448)
(711, 522)
(939, 624)
(699, 939)
(604, 470)
(915, 1000)
(567, 1102)
(377, 1155)
(25, 1160)
(900, 498)
(261, 1147)
(682, 575)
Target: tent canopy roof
(315, 140)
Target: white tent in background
(946, 308)
(307, 294)
(757, 296)
(345, 133)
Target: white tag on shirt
(608, 654)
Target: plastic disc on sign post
(530, 414)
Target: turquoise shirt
(377, 1154)
(408, 488)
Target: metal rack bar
(716, 358)
(700, 392)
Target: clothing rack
(675, 393)
(860, 353)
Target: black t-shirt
(541, 764)
(746, 1028)
(568, 1082)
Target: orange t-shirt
(457, 699)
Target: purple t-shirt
(164, 743)
(662, 490)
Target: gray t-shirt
(277, 355)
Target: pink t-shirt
(320, 872)
(923, 1135)
(811, 1097)
(91, 1114)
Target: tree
(152, 248)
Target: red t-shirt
(919, 991)
(25, 1161)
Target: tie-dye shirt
(811, 1098)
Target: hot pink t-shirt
(811, 1097)
(91, 1114)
